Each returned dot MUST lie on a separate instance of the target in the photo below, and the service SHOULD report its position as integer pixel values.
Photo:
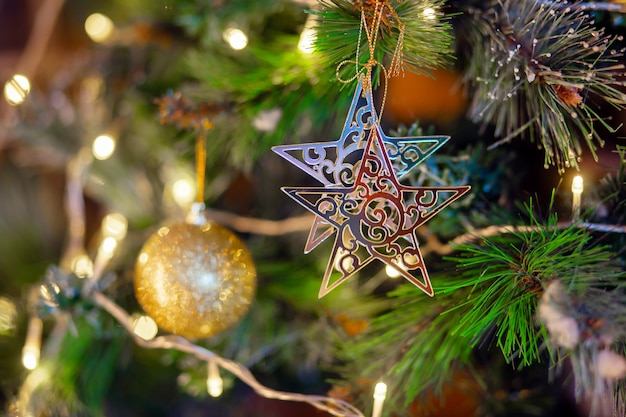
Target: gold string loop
(354, 77)
(371, 32)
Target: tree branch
(588, 5)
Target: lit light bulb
(103, 147)
(235, 38)
(82, 266)
(16, 89)
(214, 382)
(145, 327)
(99, 27)
(115, 225)
(106, 250)
(392, 271)
(184, 192)
(30, 358)
(307, 40)
(380, 392)
(32, 347)
(577, 191)
(308, 36)
(108, 246)
(577, 184)
(429, 13)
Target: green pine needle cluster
(506, 276)
(273, 90)
(423, 345)
(426, 37)
(257, 85)
(543, 69)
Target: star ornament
(375, 217)
(333, 163)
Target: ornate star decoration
(335, 162)
(375, 217)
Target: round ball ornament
(194, 280)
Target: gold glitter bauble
(194, 281)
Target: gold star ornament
(375, 217)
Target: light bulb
(99, 27)
(16, 89)
(114, 225)
(32, 346)
(577, 184)
(103, 147)
(82, 266)
(429, 13)
(145, 327)
(108, 245)
(30, 358)
(392, 271)
(106, 250)
(214, 382)
(577, 191)
(308, 36)
(380, 392)
(235, 38)
(184, 192)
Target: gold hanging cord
(384, 12)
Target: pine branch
(270, 105)
(425, 35)
(506, 274)
(537, 68)
(587, 5)
(414, 338)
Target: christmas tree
(349, 208)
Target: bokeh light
(16, 89)
(115, 225)
(99, 27)
(236, 38)
(430, 13)
(82, 266)
(392, 272)
(103, 147)
(183, 192)
(145, 327)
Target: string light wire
(332, 406)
